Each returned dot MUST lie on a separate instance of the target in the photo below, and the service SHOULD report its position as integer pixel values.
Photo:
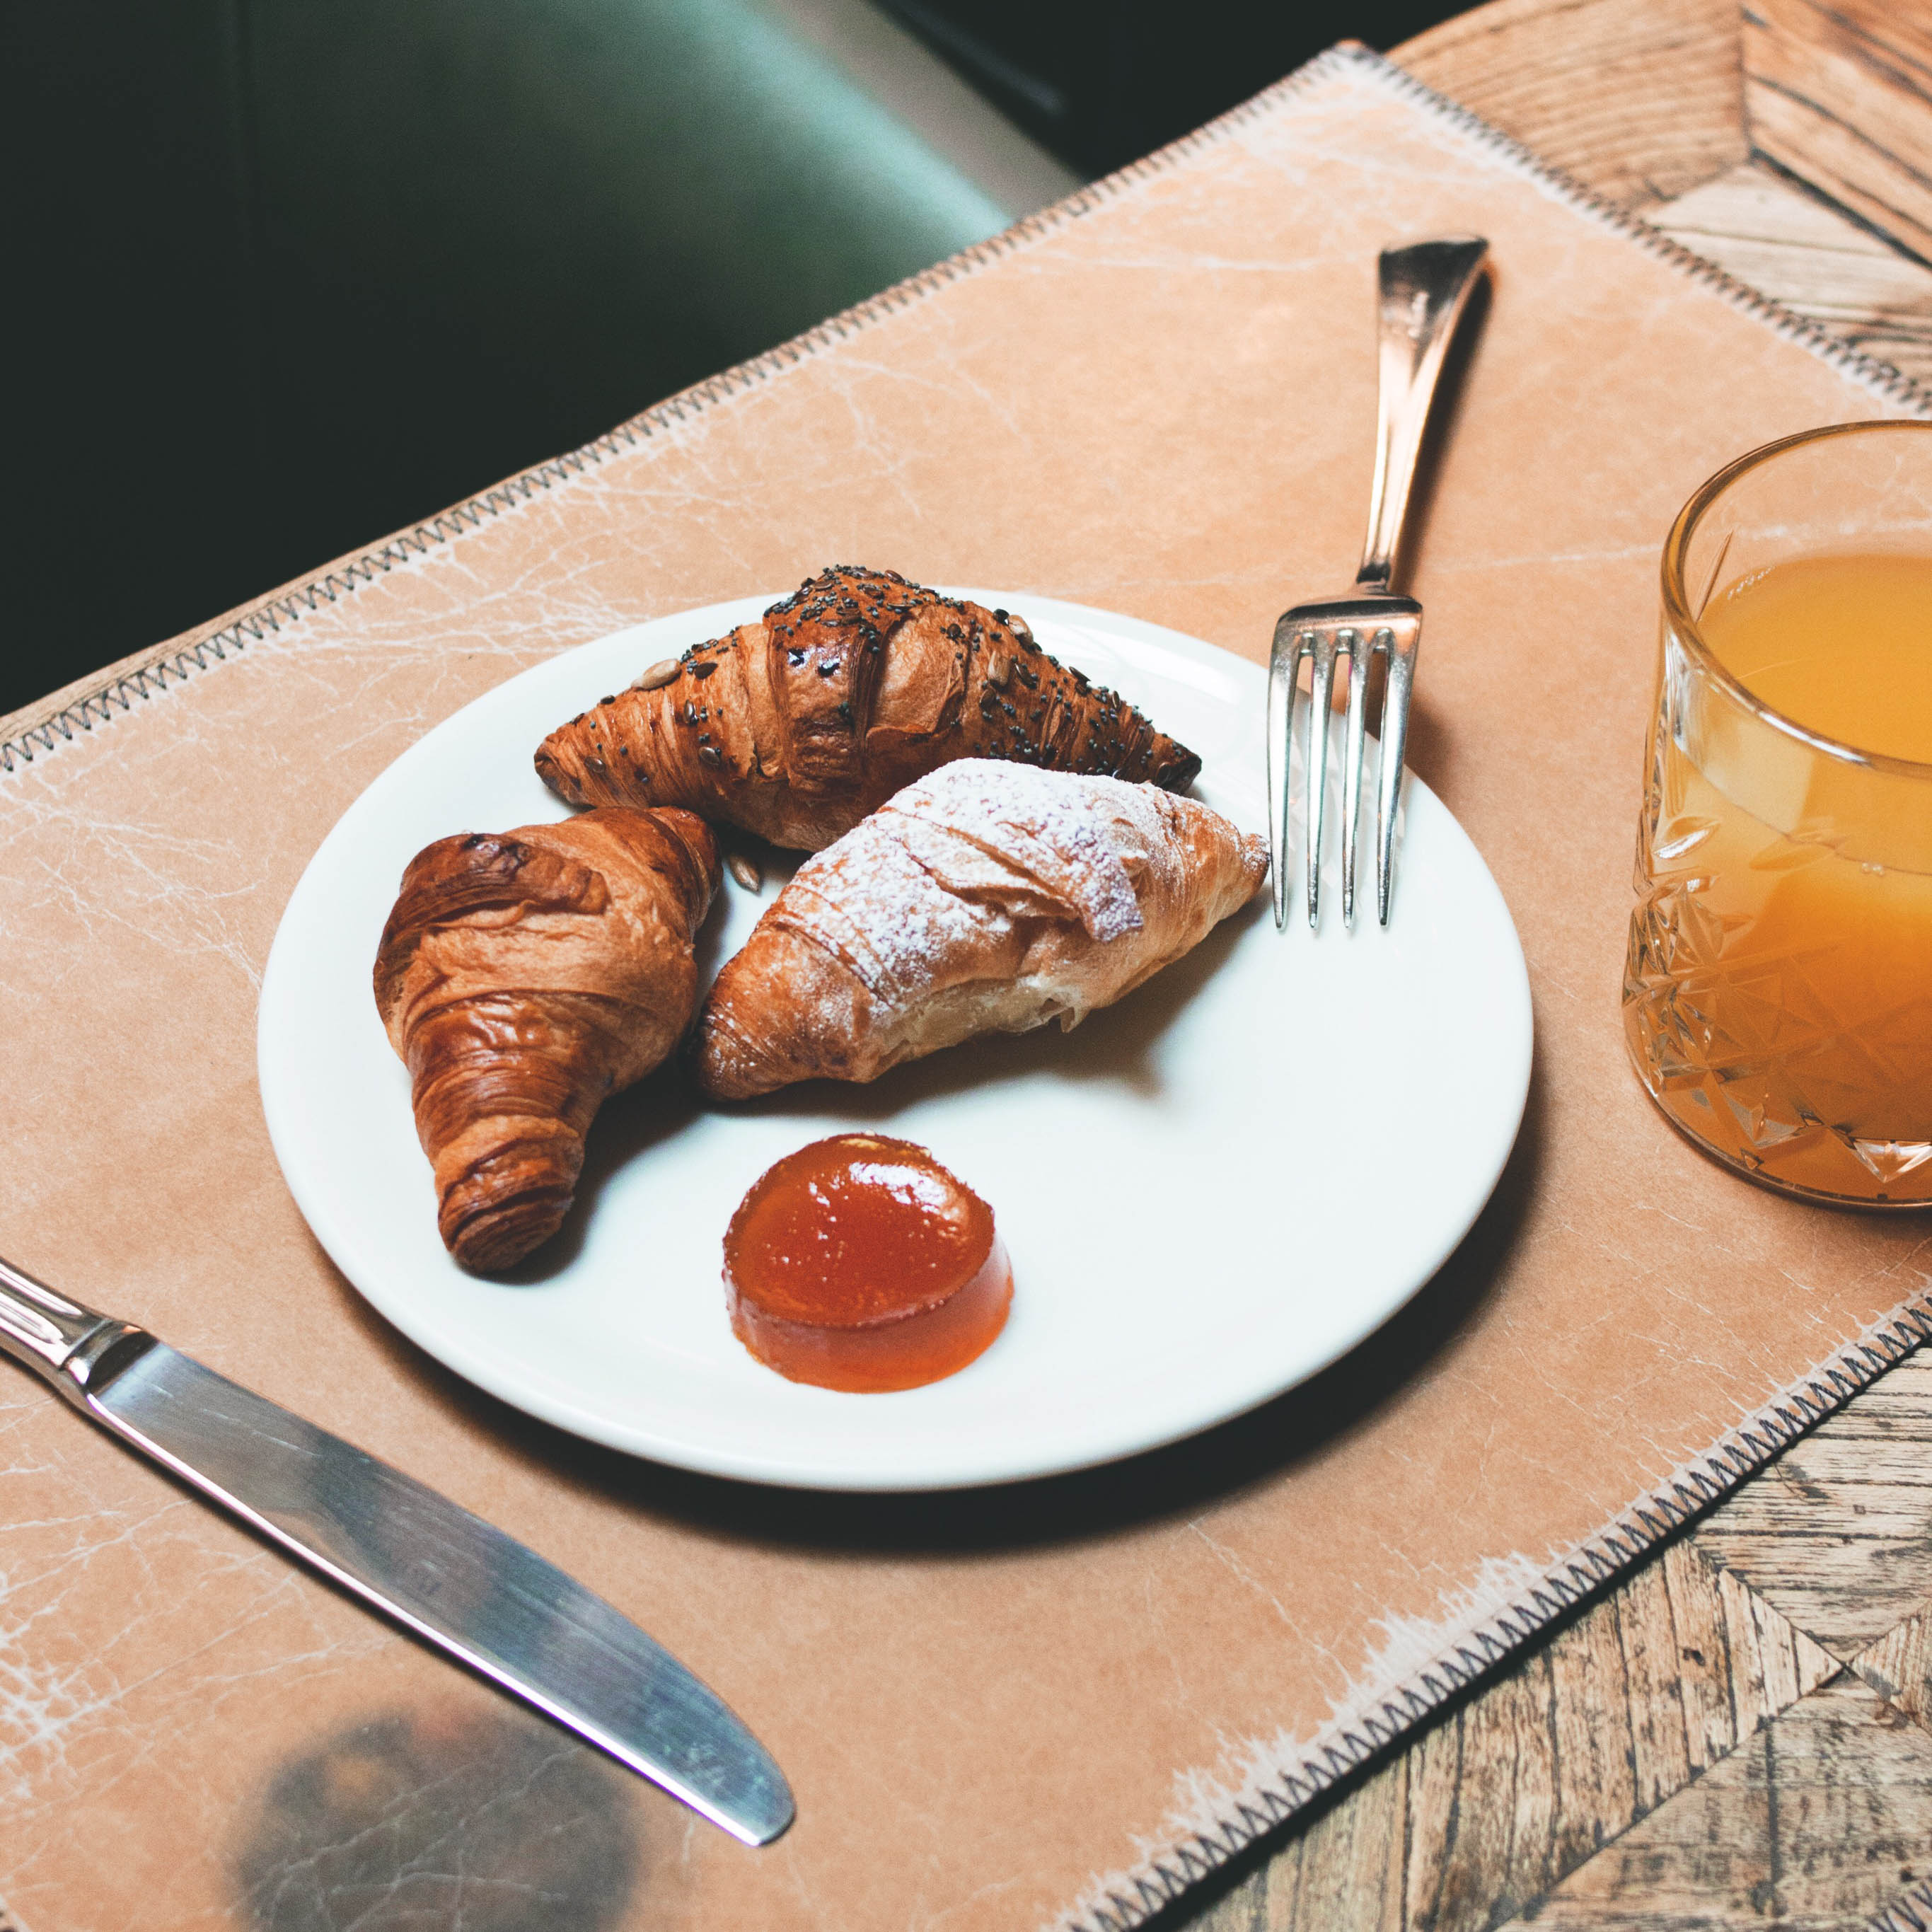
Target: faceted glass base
(1778, 996)
(1736, 1086)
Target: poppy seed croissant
(795, 728)
(522, 977)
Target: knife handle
(64, 1342)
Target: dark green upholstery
(304, 270)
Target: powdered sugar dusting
(870, 903)
(1071, 834)
(938, 881)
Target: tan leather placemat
(1019, 1709)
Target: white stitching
(1595, 1564)
(117, 696)
(1601, 1559)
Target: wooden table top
(1740, 1732)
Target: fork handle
(1423, 290)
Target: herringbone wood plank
(1837, 1532)
(1490, 1807)
(1687, 1752)
(1820, 1821)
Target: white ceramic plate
(1209, 1192)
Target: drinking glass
(1777, 993)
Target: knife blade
(454, 1579)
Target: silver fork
(1424, 288)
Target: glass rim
(1677, 604)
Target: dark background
(1102, 81)
(286, 274)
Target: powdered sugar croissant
(986, 897)
(522, 977)
(796, 726)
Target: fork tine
(1282, 662)
(1403, 648)
(1355, 733)
(1320, 695)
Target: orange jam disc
(859, 1263)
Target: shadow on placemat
(450, 1815)
(1179, 1480)
(1118, 1044)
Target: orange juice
(1778, 992)
(1841, 645)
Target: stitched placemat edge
(1350, 1743)
(1341, 1749)
(121, 691)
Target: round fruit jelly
(859, 1263)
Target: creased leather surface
(994, 1708)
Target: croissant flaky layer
(797, 726)
(986, 897)
(522, 977)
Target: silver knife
(469, 1589)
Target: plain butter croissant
(798, 726)
(523, 977)
(986, 897)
